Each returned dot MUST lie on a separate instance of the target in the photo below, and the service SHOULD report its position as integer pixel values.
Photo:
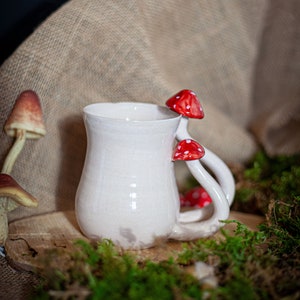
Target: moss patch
(261, 264)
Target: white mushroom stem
(6, 204)
(3, 229)
(7, 169)
(213, 162)
(14, 151)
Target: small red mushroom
(188, 150)
(186, 103)
(197, 196)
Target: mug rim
(164, 112)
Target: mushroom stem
(3, 228)
(6, 205)
(14, 151)
(7, 168)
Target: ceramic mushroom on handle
(188, 106)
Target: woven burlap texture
(146, 51)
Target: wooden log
(31, 241)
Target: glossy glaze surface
(127, 192)
(188, 150)
(186, 103)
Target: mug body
(127, 191)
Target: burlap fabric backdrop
(240, 57)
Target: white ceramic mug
(128, 193)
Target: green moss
(105, 273)
(278, 176)
(232, 255)
(244, 195)
(261, 264)
(279, 179)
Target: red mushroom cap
(10, 188)
(26, 115)
(187, 104)
(197, 196)
(188, 150)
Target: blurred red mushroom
(197, 196)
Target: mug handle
(221, 193)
